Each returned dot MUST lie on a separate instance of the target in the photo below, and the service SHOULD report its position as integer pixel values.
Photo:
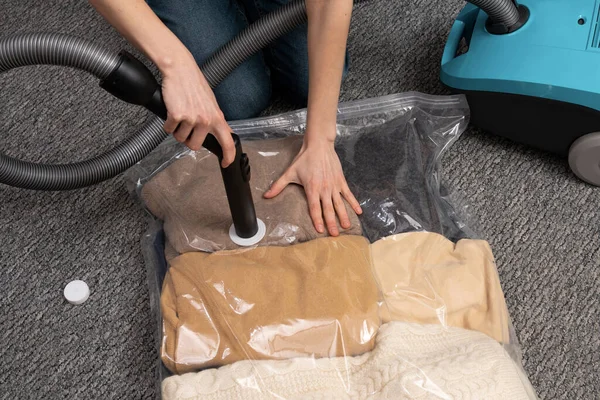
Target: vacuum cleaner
(509, 46)
(531, 73)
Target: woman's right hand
(192, 109)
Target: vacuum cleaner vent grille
(596, 33)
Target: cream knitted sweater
(410, 361)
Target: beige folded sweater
(409, 361)
(312, 299)
(426, 278)
(189, 197)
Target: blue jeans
(205, 25)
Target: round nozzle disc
(251, 241)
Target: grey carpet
(542, 223)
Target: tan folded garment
(312, 299)
(426, 278)
(409, 361)
(189, 197)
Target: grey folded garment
(189, 197)
(391, 169)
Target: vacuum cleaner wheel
(584, 158)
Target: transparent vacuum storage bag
(405, 304)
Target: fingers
(340, 209)
(171, 123)
(183, 131)
(196, 139)
(314, 208)
(351, 199)
(223, 135)
(278, 186)
(329, 214)
(193, 131)
(180, 126)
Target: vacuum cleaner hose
(64, 50)
(251, 40)
(504, 16)
(500, 11)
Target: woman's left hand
(318, 169)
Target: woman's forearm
(136, 21)
(328, 26)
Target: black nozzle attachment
(132, 82)
(499, 28)
(236, 178)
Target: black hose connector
(133, 83)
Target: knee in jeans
(245, 93)
(247, 101)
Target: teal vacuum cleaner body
(537, 83)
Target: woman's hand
(192, 109)
(317, 168)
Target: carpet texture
(542, 223)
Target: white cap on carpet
(77, 292)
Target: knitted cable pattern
(410, 361)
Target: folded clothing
(312, 299)
(426, 278)
(390, 168)
(409, 361)
(189, 197)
